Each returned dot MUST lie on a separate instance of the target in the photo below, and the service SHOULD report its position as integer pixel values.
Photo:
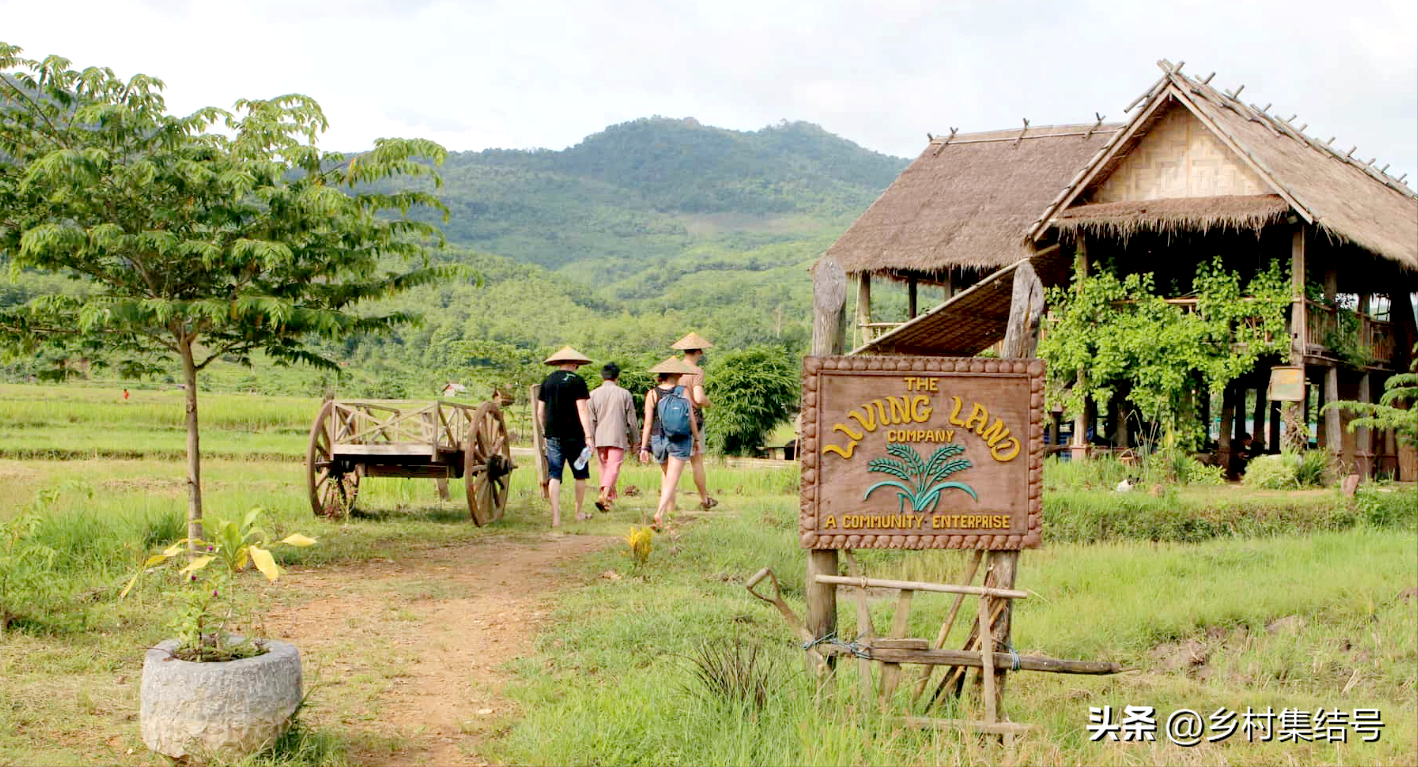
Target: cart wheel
(333, 487)
(487, 464)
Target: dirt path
(410, 655)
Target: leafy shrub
(1386, 506)
(752, 391)
(1272, 472)
(1173, 464)
(1315, 468)
(25, 567)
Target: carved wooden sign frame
(922, 453)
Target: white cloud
(520, 73)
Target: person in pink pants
(615, 424)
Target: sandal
(709, 504)
(602, 506)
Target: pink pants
(610, 459)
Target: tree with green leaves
(191, 239)
(753, 390)
(1134, 344)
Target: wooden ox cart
(352, 440)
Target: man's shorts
(662, 447)
(562, 452)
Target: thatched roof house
(1193, 168)
(967, 202)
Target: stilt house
(1195, 173)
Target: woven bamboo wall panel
(1179, 157)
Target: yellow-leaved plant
(639, 542)
(206, 582)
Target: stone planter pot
(229, 709)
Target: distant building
(451, 389)
(1194, 173)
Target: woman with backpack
(670, 432)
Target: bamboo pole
(865, 630)
(987, 656)
(945, 627)
(941, 588)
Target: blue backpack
(674, 412)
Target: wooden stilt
(1274, 444)
(1363, 443)
(1333, 439)
(829, 337)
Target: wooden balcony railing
(1335, 332)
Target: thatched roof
(1194, 214)
(1346, 198)
(972, 320)
(966, 201)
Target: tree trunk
(194, 453)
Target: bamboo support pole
(865, 630)
(941, 588)
(891, 672)
(987, 657)
(946, 626)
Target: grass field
(1213, 596)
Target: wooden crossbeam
(943, 588)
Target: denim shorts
(664, 446)
(562, 452)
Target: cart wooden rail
(351, 440)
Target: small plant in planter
(209, 692)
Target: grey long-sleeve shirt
(613, 416)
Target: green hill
(657, 187)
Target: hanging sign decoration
(922, 453)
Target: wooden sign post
(923, 452)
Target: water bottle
(581, 460)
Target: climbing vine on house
(1134, 344)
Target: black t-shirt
(560, 391)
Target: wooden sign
(1287, 384)
(922, 453)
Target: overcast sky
(541, 73)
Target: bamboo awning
(971, 321)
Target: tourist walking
(615, 426)
(669, 432)
(693, 346)
(564, 411)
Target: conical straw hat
(692, 341)
(568, 354)
(672, 365)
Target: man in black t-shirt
(563, 407)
